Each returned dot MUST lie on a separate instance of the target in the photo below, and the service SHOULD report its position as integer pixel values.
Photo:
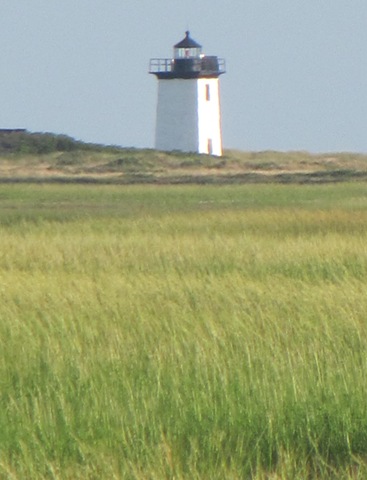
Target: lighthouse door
(210, 146)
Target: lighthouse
(188, 110)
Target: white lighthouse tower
(188, 111)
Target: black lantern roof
(187, 42)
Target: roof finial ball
(188, 110)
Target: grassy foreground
(183, 332)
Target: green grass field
(183, 332)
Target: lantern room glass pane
(187, 52)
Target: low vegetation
(187, 332)
(56, 158)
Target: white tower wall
(188, 116)
(177, 115)
(210, 136)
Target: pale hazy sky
(296, 69)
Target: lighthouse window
(179, 52)
(187, 52)
(207, 92)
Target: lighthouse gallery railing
(204, 65)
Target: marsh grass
(187, 333)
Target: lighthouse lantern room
(188, 110)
